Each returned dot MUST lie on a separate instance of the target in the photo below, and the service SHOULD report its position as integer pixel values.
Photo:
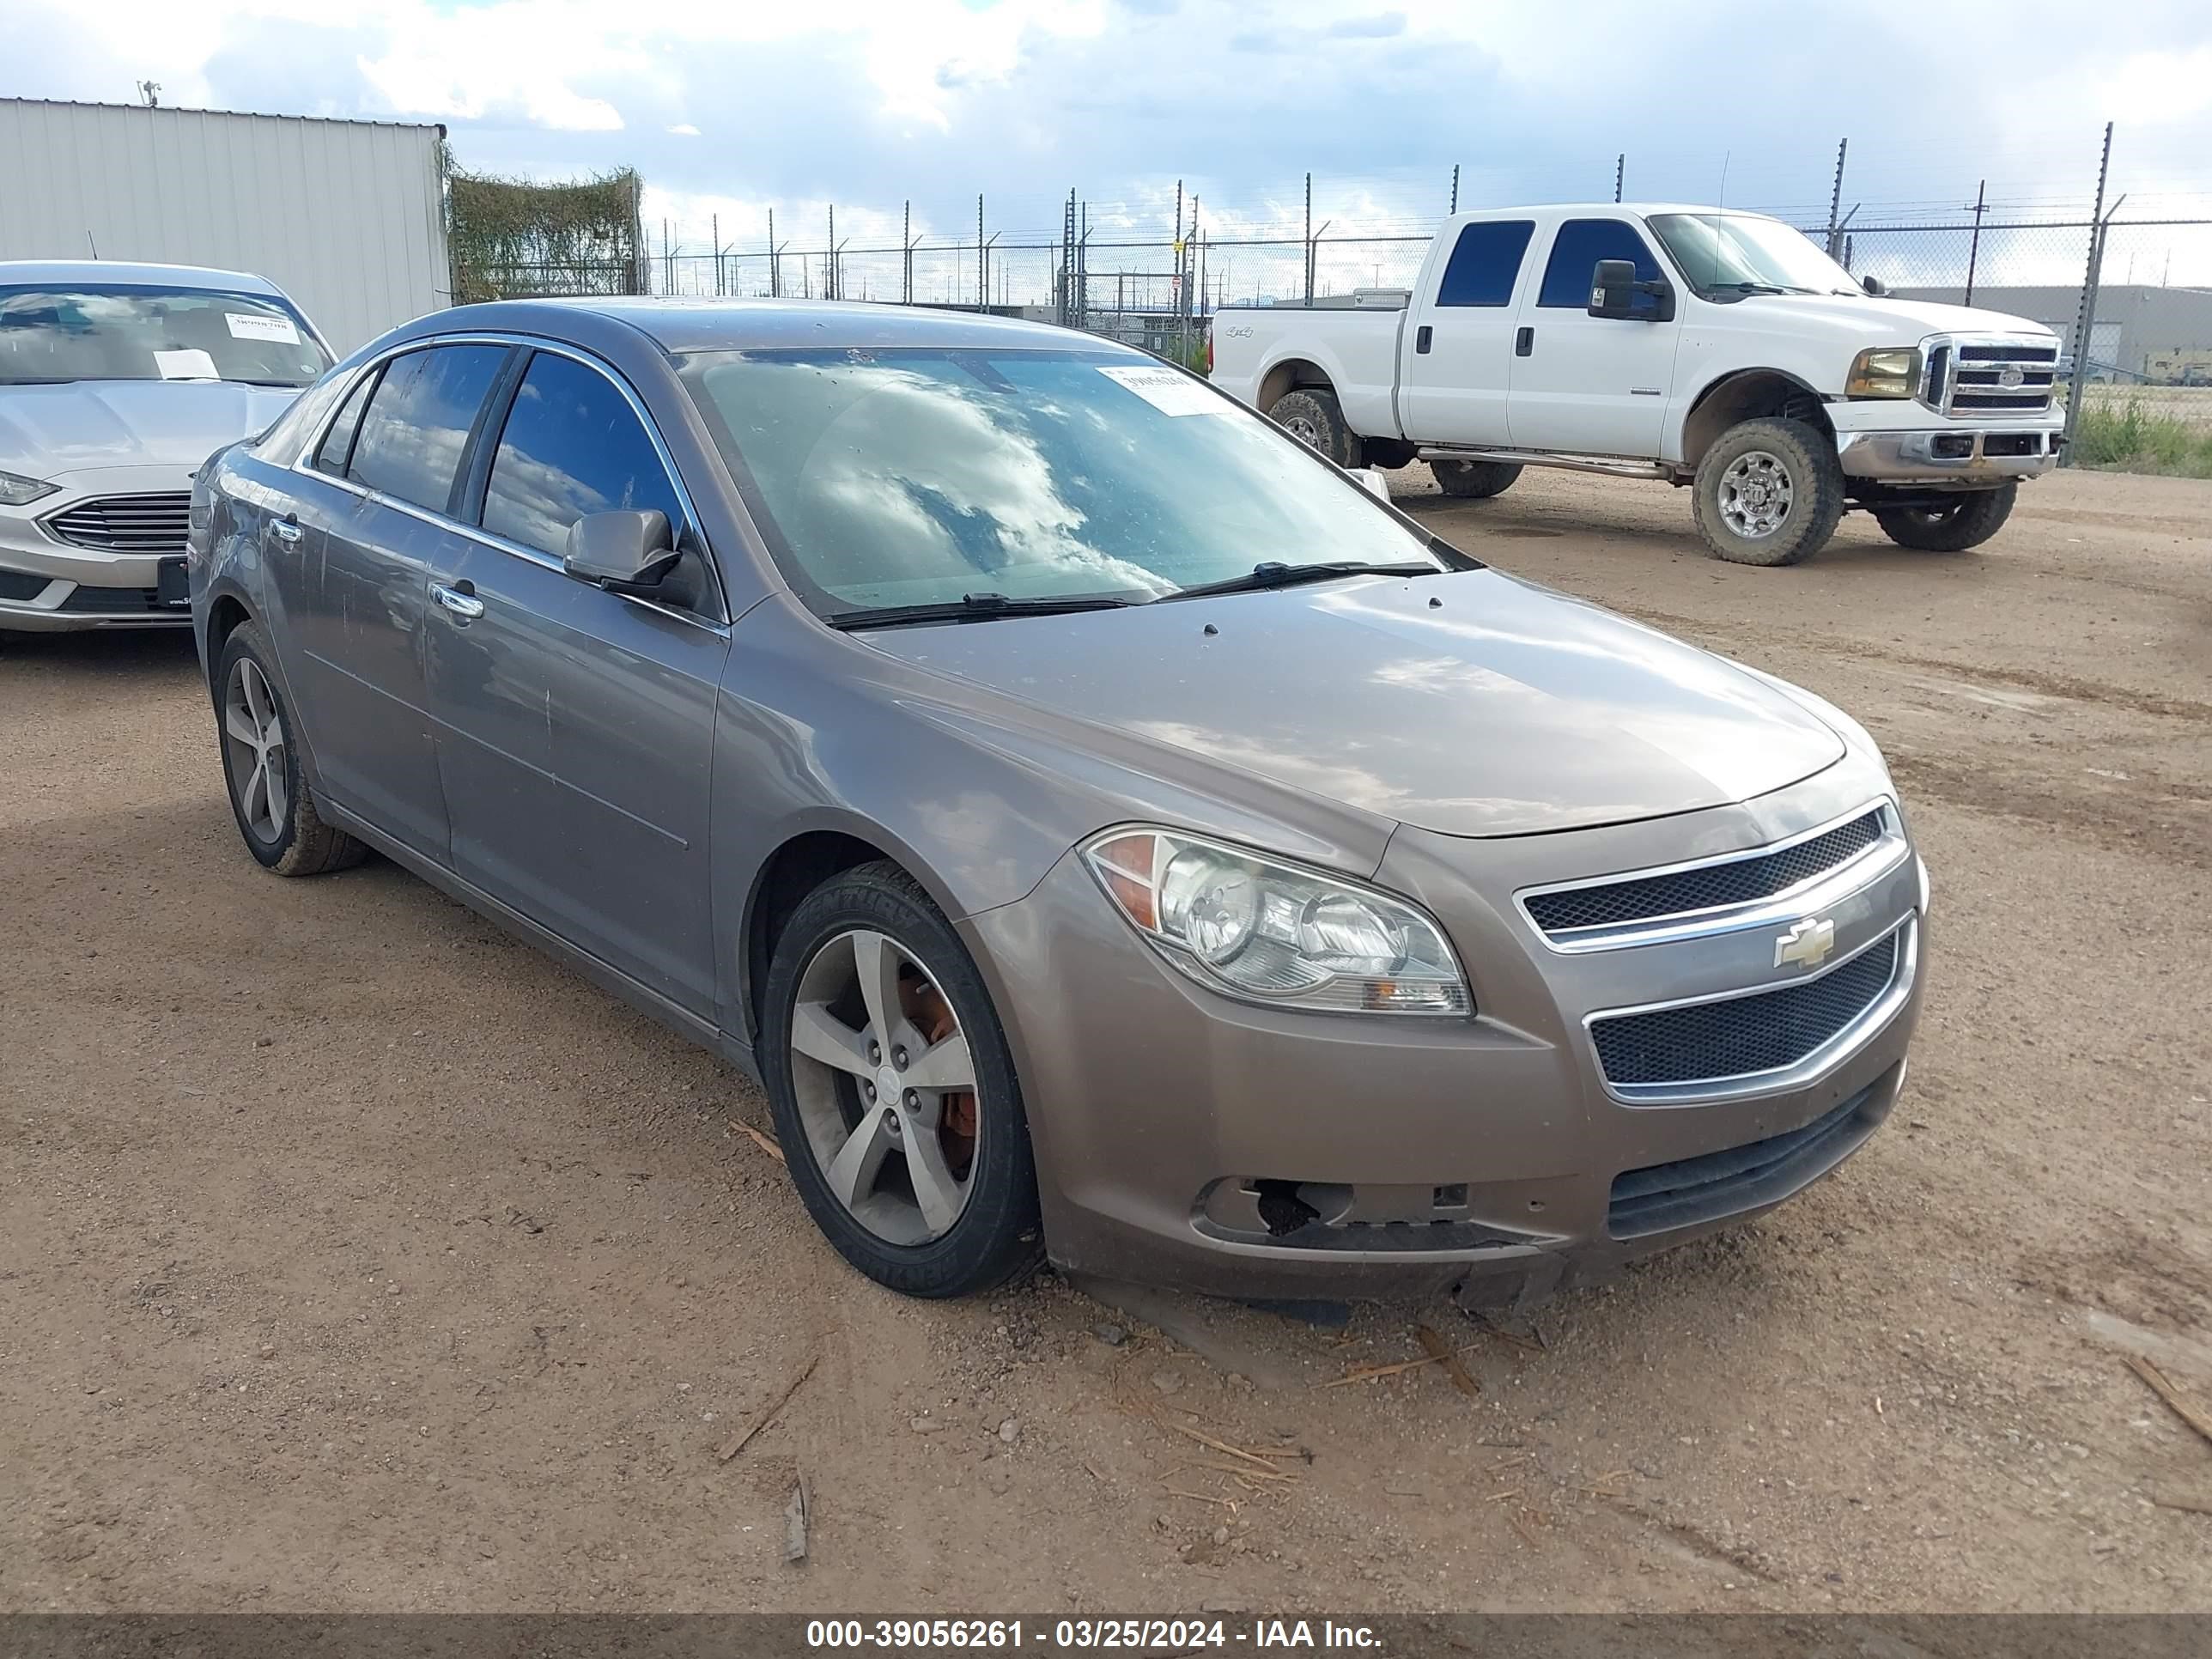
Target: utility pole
(1836, 197)
(1619, 172)
(1974, 247)
(2084, 322)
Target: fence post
(1835, 197)
(906, 254)
(1309, 250)
(1619, 172)
(982, 259)
(2085, 320)
(1454, 200)
(829, 264)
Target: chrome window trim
(1781, 1078)
(304, 462)
(1869, 864)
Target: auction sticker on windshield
(1167, 391)
(247, 326)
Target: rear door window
(337, 449)
(418, 421)
(1485, 263)
(572, 446)
(1576, 251)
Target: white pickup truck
(1710, 348)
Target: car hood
(1885, 320)
(1470, 704)
(47, 430)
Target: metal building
(346, 217)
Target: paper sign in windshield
(255, 325)
(1167, 391)
(189, 364)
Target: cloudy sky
(732, 108)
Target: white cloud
(683, 129)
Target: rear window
(58, 334)
(418, 423)
(1485, 264)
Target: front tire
(1769, 492)
(894, 1090)
(1314, 418)
(1952, 527)
(1475, 481)
(269, 796)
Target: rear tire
(1769, 492)
(870, 990)
(1312, 417)
(1475, 481)
(269, 795)
(1954, 527)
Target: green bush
(2129, 439)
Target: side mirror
(1874, 285)
(1372, 481)
(1615, 291)
(625, 552)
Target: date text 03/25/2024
(1127, 1635)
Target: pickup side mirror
(625, 552)
(1372, 481)
(1874, 285)
(1615, 291)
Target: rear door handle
(1422, 336)
(285, 529)
(1524, 342)
(460, 600)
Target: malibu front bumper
(1186, 1138)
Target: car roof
(128, 273)
(686, 325)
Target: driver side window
(1576, 251)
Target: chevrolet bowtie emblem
(1807, 944)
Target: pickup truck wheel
(1769, 492)
(1475, 481)
(1952, 527)
(1312, 415)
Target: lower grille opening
(2013, 443)
(113, 601)
(1662, 1197)
(1281, 1207)
(20, 585)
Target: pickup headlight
(1270, 931)
(17, 490)
(1884, 372)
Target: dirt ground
(354, 1256)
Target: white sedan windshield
(49, 335)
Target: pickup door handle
(1524, 342)
(285, 529)
(460, 600)
(1422, 337)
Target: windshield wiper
(970, 607)
(1756, 288)
(1273, 573)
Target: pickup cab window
(1576, 251)
(1485, 263)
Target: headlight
(1275, 932)
(15, 489)
(1884, 372)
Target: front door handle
(1422, 336)
(1524, 342)
(460, 600)
(285, 529)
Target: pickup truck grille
(1994, 376)
(126, 524)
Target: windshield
(920, 476)
(49, 335)
(1735, 252)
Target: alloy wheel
(885, 1087)
(1755, 495)
(253, 730)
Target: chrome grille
(1707, 886)
(126, 524)
(1736, 1037)
(1992, 376)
